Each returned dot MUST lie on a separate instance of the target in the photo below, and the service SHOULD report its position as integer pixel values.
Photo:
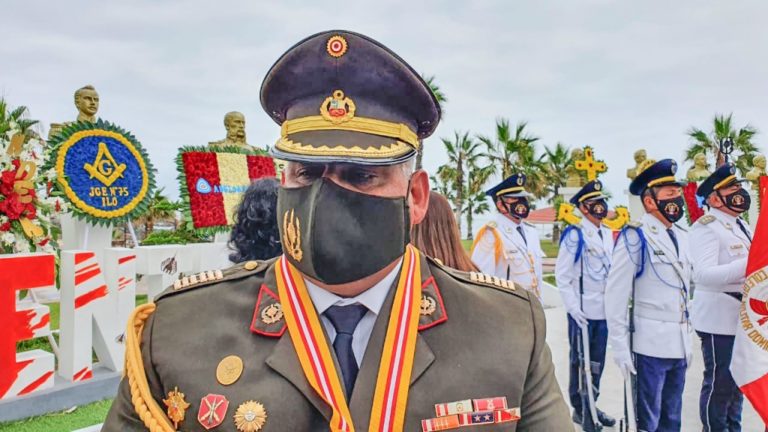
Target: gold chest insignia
(292, 235)
(337, 109)
(105, 168)
(229, 370)
(177, 406)
(427, 306)
(272, 314)
(250, 416)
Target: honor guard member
(720, 242)
(352, 328)
(651, 270)
(508, 247)
(581, 271)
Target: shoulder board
(706, 219)
(492, 224)
(681, 228)
(482, 279)
(211, 277)
(634, 224)
(529, 224)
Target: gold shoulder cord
(146, 407)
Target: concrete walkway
(612, 383)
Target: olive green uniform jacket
(481, 341)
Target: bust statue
(234, 122)
(575, 178)
(758, 171)
(87, 104)
(640, 157)
(699, 169)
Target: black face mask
(597, 208)
(672, 209)
(518, 209)
(336, 235)
(738, 201)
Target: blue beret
(591, 191)
(513, 185)
(340, 96)
(661, 173)
(722, 177)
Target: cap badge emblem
(292, 235)
(520, 181)
(337, 46)
(337, 108)
(598, 186)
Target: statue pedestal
(568, 192)
(635, 206)
(77, 234)
(754, 210)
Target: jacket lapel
(285, 362)
(365, 385)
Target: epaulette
(210, 277)
(681, 228)
(492, 224)
(482, 279)
(634, 224)
(706, 219)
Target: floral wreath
(102, 172)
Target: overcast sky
(617, 75)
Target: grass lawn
(65, 421)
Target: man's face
(385, 181)
(88, 102)
(715, 200)
(668, 192)
(236, 126)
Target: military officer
(583, 261)
(352, 328)
(720, 243)
(508, 247)
(651, 269)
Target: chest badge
(177, 406)
(272, 314)
(213, 411)
(229, 370)
(427, 305)
(250, 416)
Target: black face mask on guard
(336, 235)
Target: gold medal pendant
(250, 416)
(229, 370)
(177, 406)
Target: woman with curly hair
(255, 235)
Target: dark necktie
(674, 240)
(600, 233)
(344, 319)
(744, 230)
(522, 234)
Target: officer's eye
(359, 177)
(309, 173)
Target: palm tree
(556, 160)
(442, 182)
(508, 151)
(441, 100)
(463, 155)
(160, 208)
(476, 202)
(744, 149)
(16, 115)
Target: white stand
(568, 192)
(80, 235)
(754, 211)
(635, 206)
(149, 264)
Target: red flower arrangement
(693, 211)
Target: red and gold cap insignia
(337, 46)
(337, 108)
(177, 406)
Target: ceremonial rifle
(589, 420)
(629, 422)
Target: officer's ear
(418, 196)
(714, 201)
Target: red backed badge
(213, 411)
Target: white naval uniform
(662, 329)
(595, 260)
(719, 250)
(520, 261)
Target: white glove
(624, 362)
(579, 317)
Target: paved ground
(611, 400)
